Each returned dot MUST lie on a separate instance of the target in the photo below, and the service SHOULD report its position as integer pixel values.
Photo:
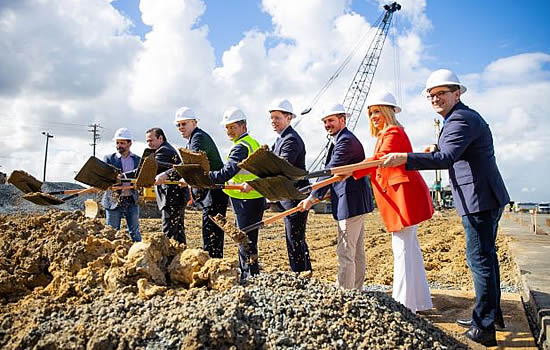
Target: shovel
(345, 169)
(24, 181)
(239, 235)
(97, 173)
(42, 198)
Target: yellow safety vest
(244, 175)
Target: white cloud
(86, 68)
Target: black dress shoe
(467, 323)
(483, 337)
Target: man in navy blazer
(171, 199)
(290, 146)
(123, 202)
(465, 148)
(350, 199)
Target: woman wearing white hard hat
(403, 201)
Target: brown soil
(64, 257)
(441, 239)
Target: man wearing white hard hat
(248, 205)
(403, 200)
(123, 203)
(350, 199)
(211, 201)
(290, 146)
(465, 148)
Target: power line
(94, 129)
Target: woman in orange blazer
(403, 200)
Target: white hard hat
(337, 108)
(122, 134)
(383, 98)
(232, 115)
(443, 77)
(283, 106)
(184, 113)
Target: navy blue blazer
(113, 159)
(169, 195)
(466, 149)
(290, 146)
(351, 197)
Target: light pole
(48, 137)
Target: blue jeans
(481, 232)
(130, 210)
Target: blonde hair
(389, 119)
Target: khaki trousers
(351, 253)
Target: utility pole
(48, 137)
(437, 185)
(94, 129)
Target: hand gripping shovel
(239, 235)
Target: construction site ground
(442, 242)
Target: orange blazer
(402, 196)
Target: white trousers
(351, 253)
(410, 285)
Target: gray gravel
(273, 311)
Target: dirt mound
(68, 257)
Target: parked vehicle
(524, 206)
(543, 208)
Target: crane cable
(325, 87)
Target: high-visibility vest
(244, 175)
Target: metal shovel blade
(41, 198)
(147, 172)
(98, 174)
(194, 175)
(25, 181)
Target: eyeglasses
(437, 94)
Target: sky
(69, 64)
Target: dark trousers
(172, 222)
(247, 212)
(212, 234)
(481, 232)
(295, 227)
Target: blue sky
(66, 65)
(494, 29)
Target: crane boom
(356, 95)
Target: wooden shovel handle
(285, 213)
(347, 169)
(233, 187)
(322, 183)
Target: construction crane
(356, 95)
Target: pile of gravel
(273, 311)
(12, 202)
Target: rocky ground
(70, 282)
